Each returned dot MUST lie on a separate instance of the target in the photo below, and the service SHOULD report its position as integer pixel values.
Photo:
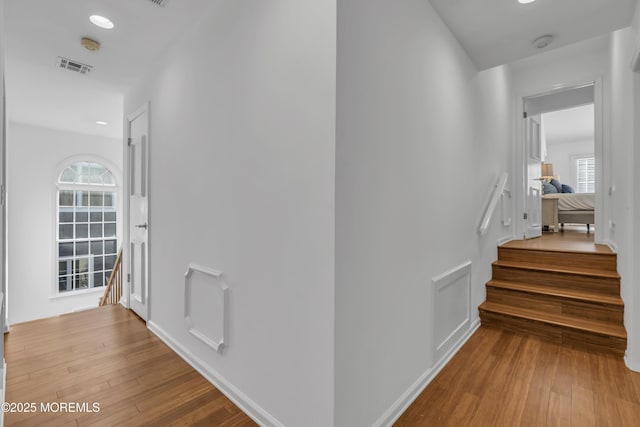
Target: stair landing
(570, 240)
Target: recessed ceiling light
(525, 1)
(101, 123)
(101, 21)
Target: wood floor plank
(108, 356)
(582, 407)
(563, 377)
(512, 409)
(559, 413)
(526, 381)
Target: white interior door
(533, 196)
(138, 128)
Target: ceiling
(570, 125)
(493, 32)
(38, 31)
(496, 32)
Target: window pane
(81, 231)
(68, 175)
(96, 216)
(96, 198)
(96, 230)
(84, 198)
(110, 216)
(109, 199)
(98, 263)
(95, 178)
(82, 265)
(63, 268)
(98, 280)
(66, 198)
(586, 174)
(82, 215)
(107, 179)
(65, 249)
(66, 215)
(82, 248)
(96, 248)
(109, 229)
(97, 169)
(107, 275)
(109, 261)
(64, 283)
(110, 246)
(65, 231)
(82, 281)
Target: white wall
(622, 179)
(625, 201)
(421, 138)
(3, 282)
(34, 159)
(562, 156)
(242, 154)
(579, 62)
(633, 355)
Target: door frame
(600, 151)
(532, 229)
(126, 240)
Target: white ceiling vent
(76, 66)
(161, 3)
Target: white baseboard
(85, 308)
(505, 239)
(248, 406)
(406, 399)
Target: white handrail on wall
(497, 192)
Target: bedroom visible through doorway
(569, 167)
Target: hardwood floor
(502, 379)
(107, 356)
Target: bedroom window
(86, 240)
(586, 167)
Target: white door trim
(603, 170)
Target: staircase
(113, 290)
(565, 296)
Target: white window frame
(576, 171)
(57, 187)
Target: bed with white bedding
(568, 208)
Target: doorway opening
(561, 165)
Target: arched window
(87, 243)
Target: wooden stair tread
(565, 269)
(562, 320)
(607, 252)
(584, 295)
(581, 247)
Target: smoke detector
(68, 64)
(161, 3)
(90, 44)
(542, 41)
